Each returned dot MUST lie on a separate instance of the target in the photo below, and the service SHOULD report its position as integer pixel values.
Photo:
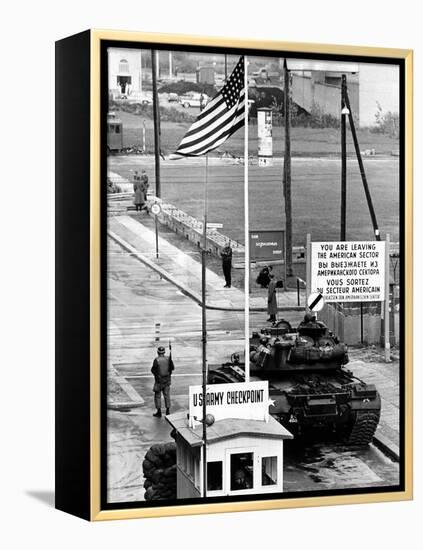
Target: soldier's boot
(158, 413)
(168, 411)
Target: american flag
(223, 116)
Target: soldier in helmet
(162, 370)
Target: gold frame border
(96, 513)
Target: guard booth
(244, 455)
(114, 133)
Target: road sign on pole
(315, 301)
(156, 208)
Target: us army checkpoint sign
(247, 400)
(350, 271)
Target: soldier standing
(226, 256)
(162, 370)
(272, 305)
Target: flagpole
(246, 234)
(204, 328)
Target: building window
(214, 476)
(242, 471)
(269, 470)
(123, 66)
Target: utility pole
(344, 112)
(156, 115)
(287, 170)
(361, 167)
(204, 329)
(170, 64)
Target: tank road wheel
(364, 428)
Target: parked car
(147, 99)
(194, 99)
(172, 97)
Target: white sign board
(247, 400)
(351, 271)
(215, 225)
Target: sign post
(156, 209)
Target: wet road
(144, 312)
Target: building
(319, 92)
(125, 73)
(206, 75)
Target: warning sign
(352, 271)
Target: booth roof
(226, 429)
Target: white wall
(378, 83)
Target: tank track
(364, 428)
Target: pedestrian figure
(272, 305)
(138, 192)
(145, 185)
(162, 371)
(263, 278)
(226, 256)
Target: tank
(309, 385)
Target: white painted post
(246, 232)
(308, 266)
(386, 305)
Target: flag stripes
(223, 116)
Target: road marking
(126, 386)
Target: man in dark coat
(138, 192)
(226, 256)
(162, 371)
(263, 278)
(272, 305)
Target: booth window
(214, 476)
(242, 471)
(269, 470)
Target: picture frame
(84, 261)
